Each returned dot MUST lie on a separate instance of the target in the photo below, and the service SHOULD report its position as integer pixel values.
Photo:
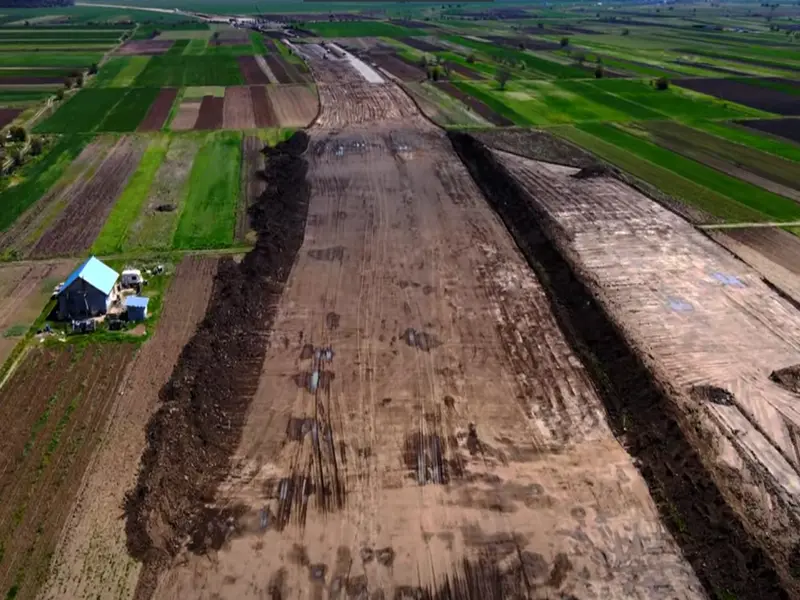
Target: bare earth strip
(155, 225)
(24, 291)
(295, 105)
(253, 185)
(701, 318)
(238, 109)
(83, 218)
(187, 115)
(27, 230)
(453, 446)
(265, 68)
(91, 559)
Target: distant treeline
(34, 3)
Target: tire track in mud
(195, 431)
(712, 538)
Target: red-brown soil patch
(211, 113)
(238, 109)
(421, 44)
(754, 96)
(278, 67)
(159, 110)
(145, 47)
(30, 80)
(83, 218)
(264, 114)
(294, 105)
(251, 71)
(475, 104)
(785, 128)
(95, 535)
(58, 401)
(522, 43)
(8, 114)
(395, 65)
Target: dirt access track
(421, 427)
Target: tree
(37, 145)
(599, 72)
(60, 95)
(18, 134)
(471, 58)
(626, 31)
(579, 57)
(564, 42)
(662, 83)
(93, 69)
(502, 77)
(79, 80)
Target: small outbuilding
(136, 307)
(88, 292)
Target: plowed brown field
(238, 109)
(251, 71)
(253, 182)
(159, 111)
(293, 105)
(212, 111)
(91, 559)
(24, 291)
(83, 218)
(59, 401)
(262, 107)
(187, 115)
(451, 444)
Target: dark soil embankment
(710, 534)
(203, 407)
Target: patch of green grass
(115, 231)
(208, 218)
(108, 71)
(750, 138)
(12, 97)
(199, 92)
(130, 111)
(35, 178)
(83, 112)
(17, 330)
(257, 39)
(178, 71)
(177, 48)
(195, 47)
(134, 65)
(488, 94)
(731, 198)
(360, 29)
(631, 110)
(231, 51)
(49, 59)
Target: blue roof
(95, 273)
(136, 302)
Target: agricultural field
(476, 301)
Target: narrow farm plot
(129, 111)
(753, 139)
(24, 291)
(263, 108)
(178, 71)
(76, 228)
(237, 112)
(159, 111)
(294, 105)
(443, 108)
(743, 92)
(154, 227)
(83, 112)
(208, 216)
(212, 113)
(785, 128)
(59, 400)
(252, 72)
(120, 71)
(115, 232)
(186, 116)
(252, 185)
(94, 534)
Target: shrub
(564, 42)
(662, 83)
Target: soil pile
(788, 378)
(710, 535)
(203, 407)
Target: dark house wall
(81, 300)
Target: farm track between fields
(452, 442)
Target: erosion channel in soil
(199, 421)
(711, 536)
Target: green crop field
(34, 179)
(83, 112)
(129, 111)
(12, 97)
(115, 231)
(741, 198)
(177, 48)
(178, 71)
(49, 59)
(195, 47)
(258, 43)
(208, 217)
(360, 29)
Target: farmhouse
(88, 292)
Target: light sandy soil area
(91, 560)
(421, 427)
(708, 327)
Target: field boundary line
(745, 224)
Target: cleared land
(74, 230)
(293, 105)
(91, 558)
(159, 110)
(24, 291)
(238, 110)
(59, 400)
(186, 116)
(252, 72)
(707, 326)
(760, 97)
(455, 444)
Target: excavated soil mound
(788, 378)
(203, 407)
(711, 536)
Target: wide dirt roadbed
(421, 427)
(707, 326)
(91, 560)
